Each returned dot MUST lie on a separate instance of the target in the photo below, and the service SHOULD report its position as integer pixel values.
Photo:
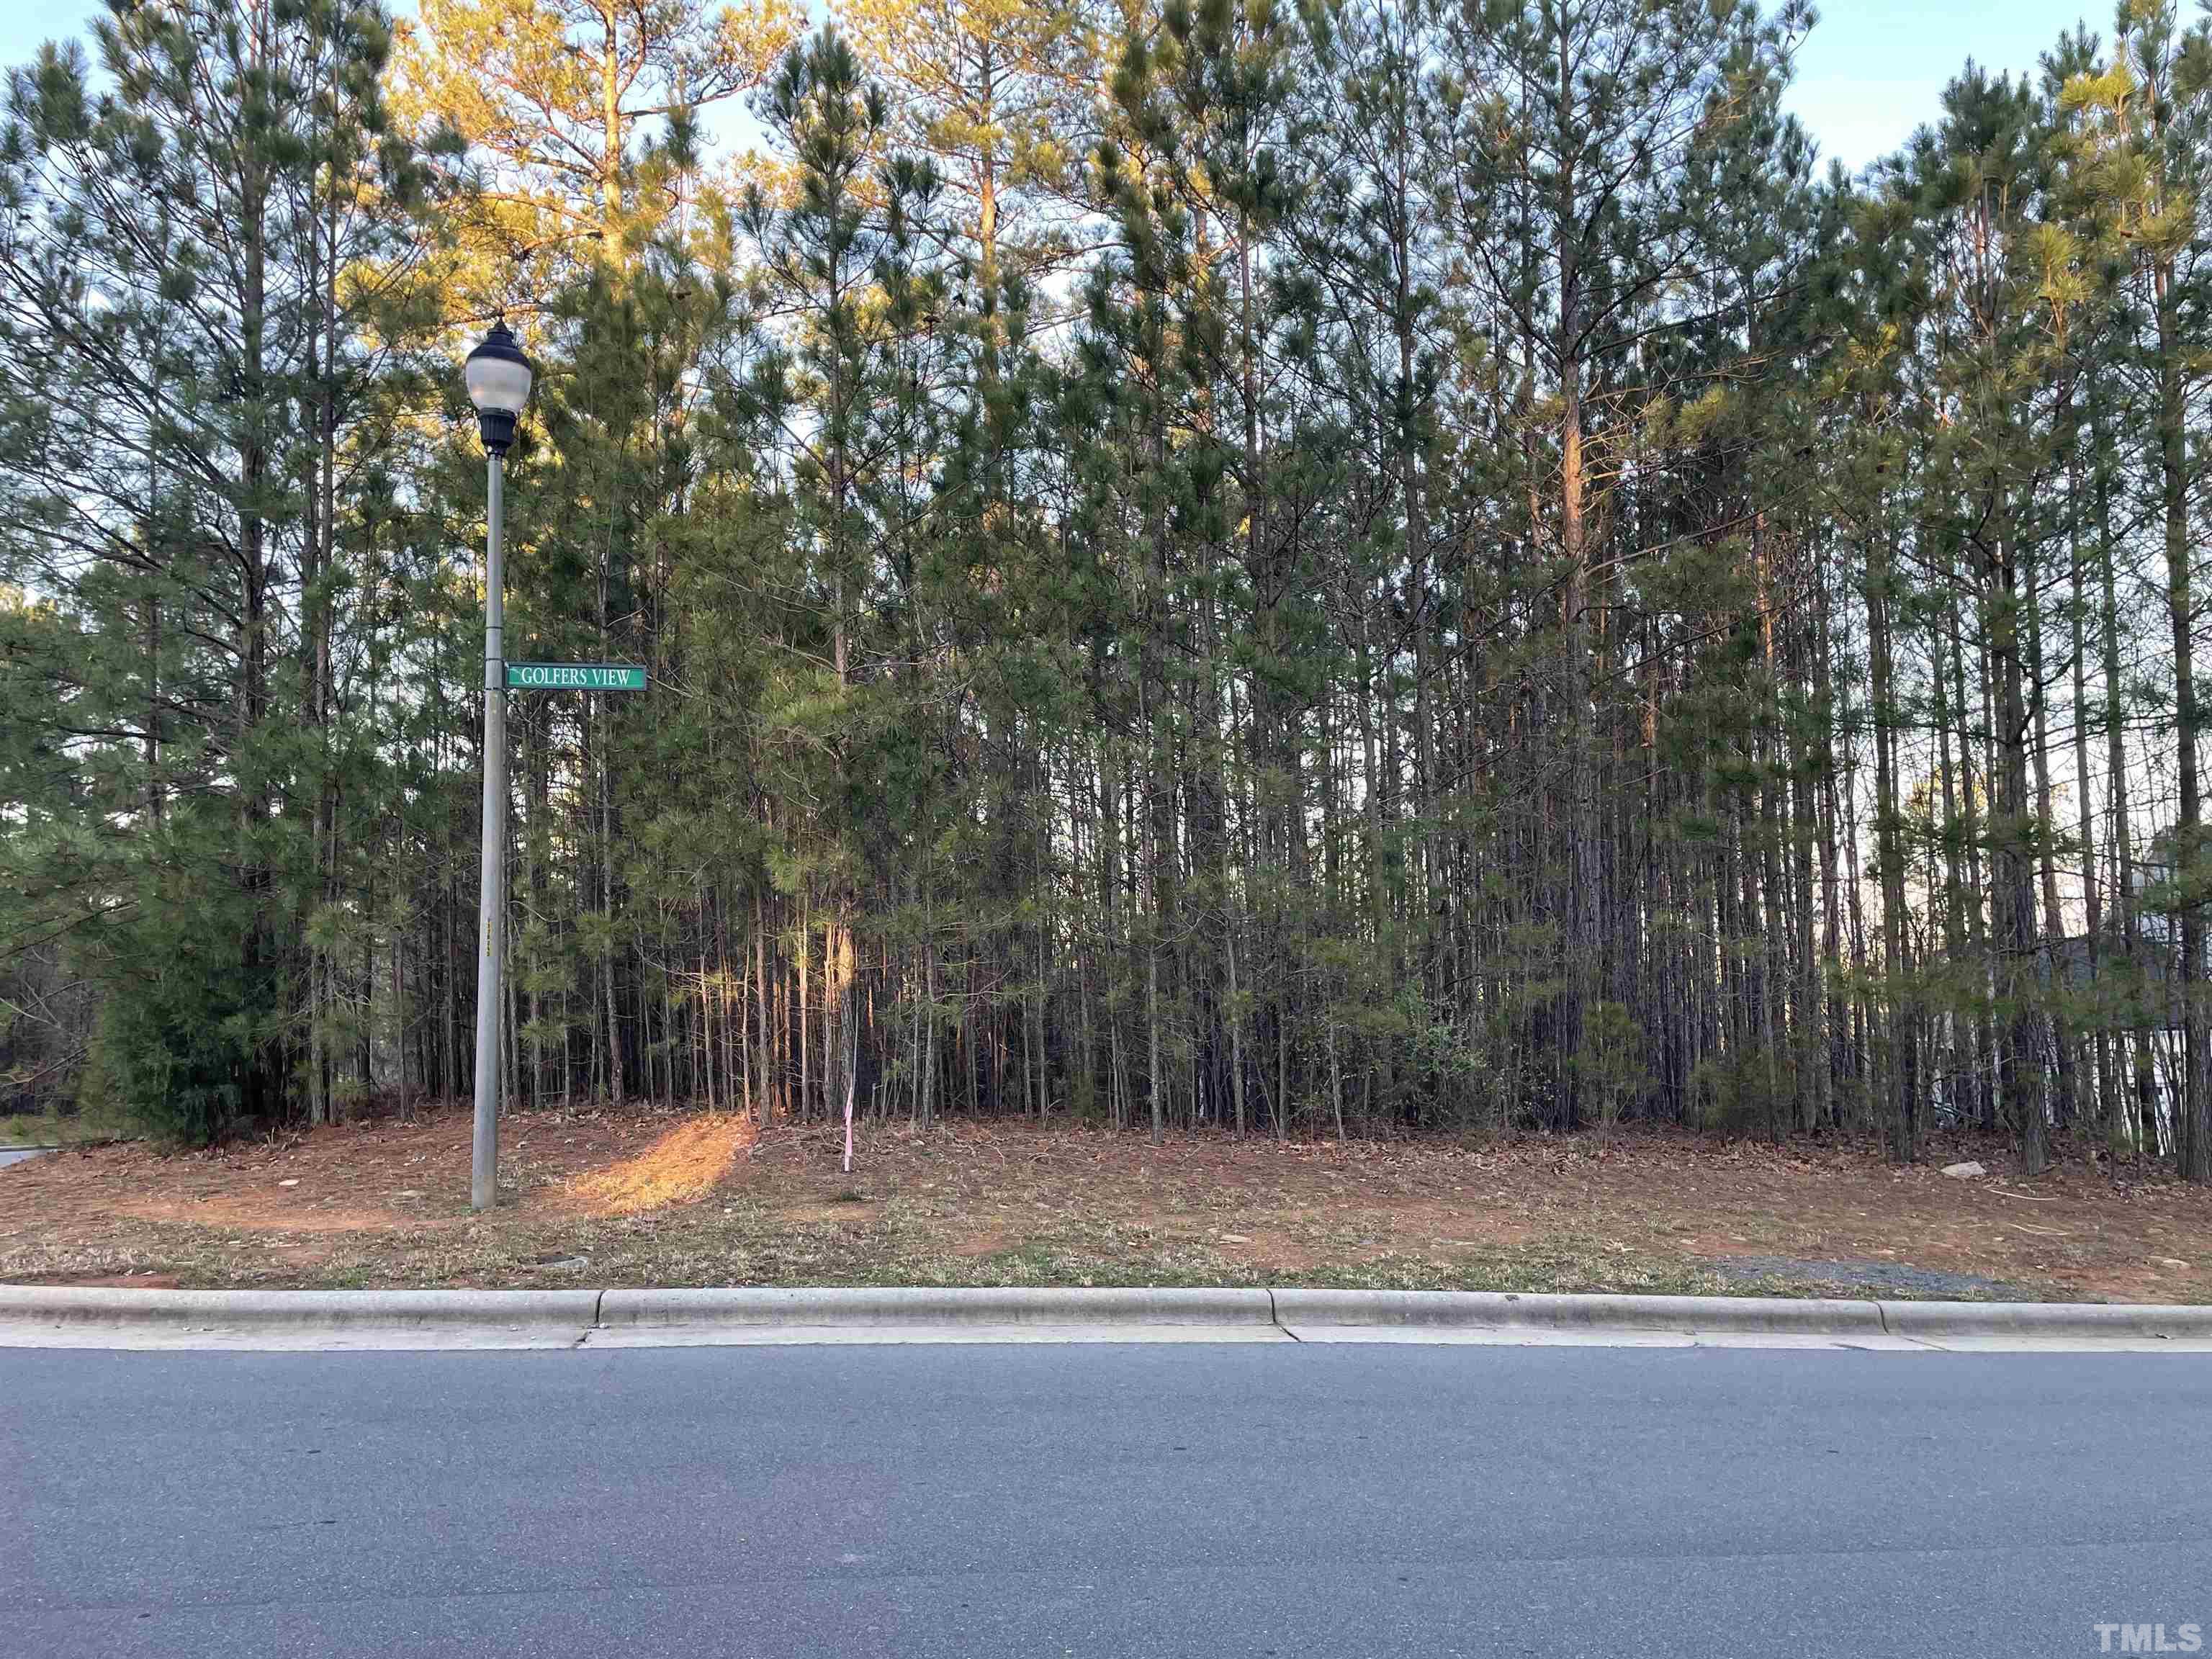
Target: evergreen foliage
(1328, 569)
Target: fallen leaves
(970, 1202)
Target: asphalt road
(1027, 1501)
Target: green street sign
(574, 676)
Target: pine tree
(183, 342)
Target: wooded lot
(1317, 570)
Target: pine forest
(1306, 569)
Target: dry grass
(678, 1199)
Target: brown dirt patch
(826, 1215)
(978, 1243)
(289, 1212)
(676, 1198)
(1273, 1254)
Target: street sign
(574, 676)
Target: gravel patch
(1889, 1276)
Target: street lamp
(498, 378)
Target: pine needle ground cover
(712, 1199)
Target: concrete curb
(2085, 1322)
(1013, 1305)
(51, 1305)
(1499, 1310)
(51, 1316)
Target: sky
(1872, 70)
(1870, 73)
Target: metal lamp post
(498, 376)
